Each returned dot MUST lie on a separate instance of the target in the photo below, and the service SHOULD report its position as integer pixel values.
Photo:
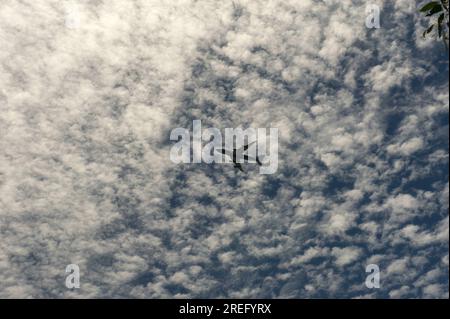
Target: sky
(90, 91)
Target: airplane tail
(239, 166)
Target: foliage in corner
(438, 13)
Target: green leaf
(436, 9)
(428, 6)
(428, 30)
(440, 19)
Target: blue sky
(90, 91)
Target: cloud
(345, 256)
(90, 90)
(407, 148)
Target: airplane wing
(245, 147)
(225, 151)
(247, 157)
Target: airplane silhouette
(236, 154)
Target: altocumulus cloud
(89, 91)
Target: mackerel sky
(90, 91)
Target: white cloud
(345, 256)
(85, 174)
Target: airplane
(238, 153)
